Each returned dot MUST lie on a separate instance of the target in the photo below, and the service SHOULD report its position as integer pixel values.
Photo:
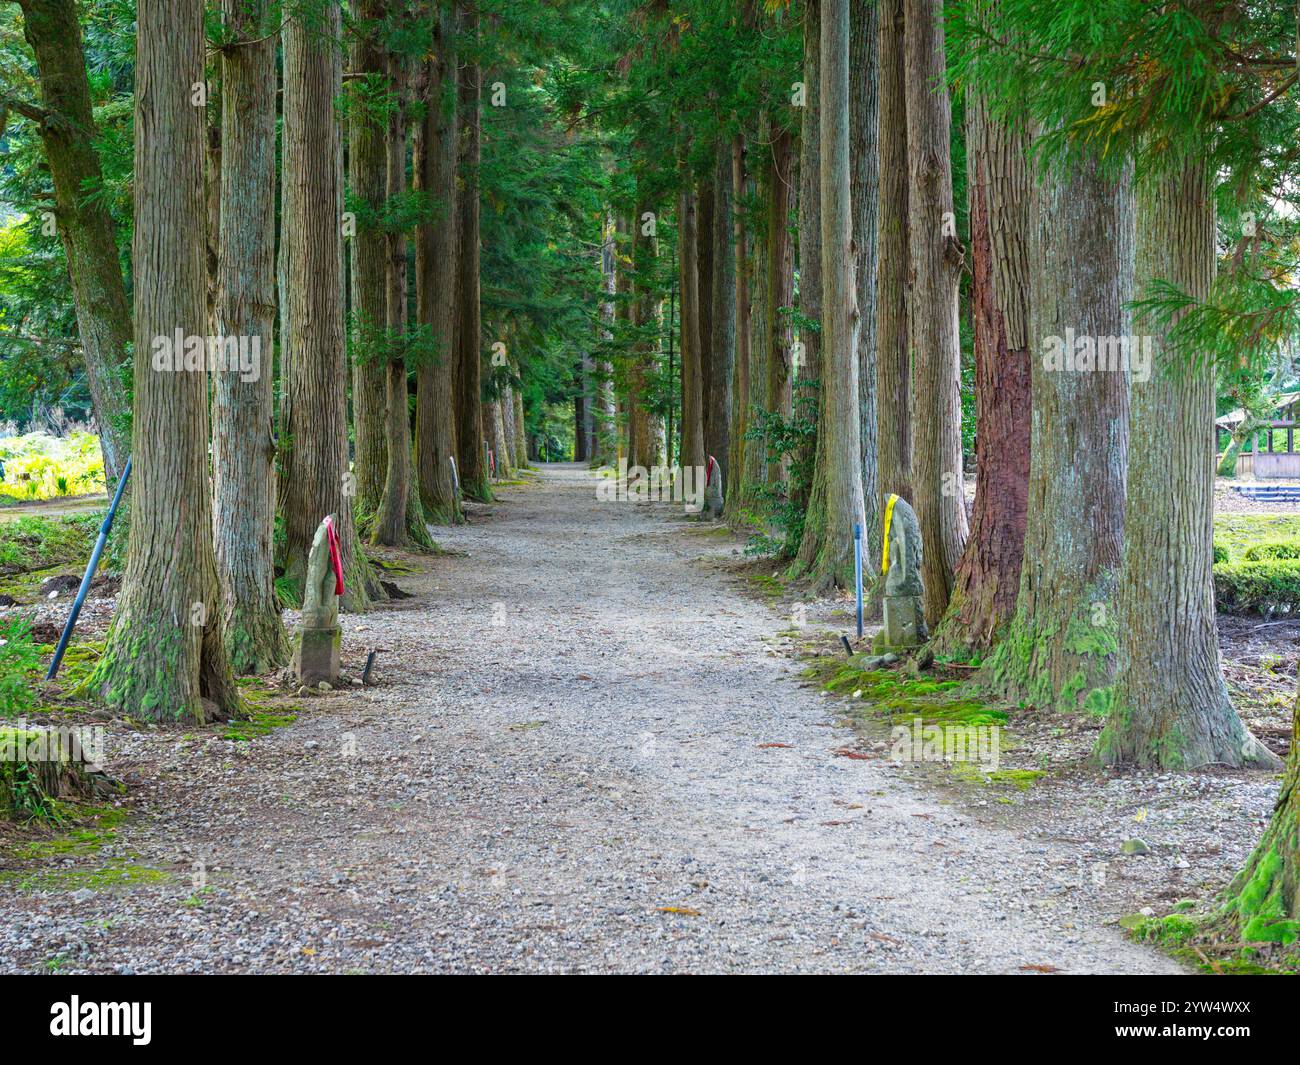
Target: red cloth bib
(336, 556)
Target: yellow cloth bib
(889, 516)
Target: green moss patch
(261, 716)
(74, 860)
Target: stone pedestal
(904, 622)
(316, 656)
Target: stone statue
(903, 608)
(319, 639)
(713, 489)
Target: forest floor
(591, 748)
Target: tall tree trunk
(999, 191)
(692, 450)
(513, 458)
(581, 409)
(742, 492)
(1060, 646)
(212, 194)
(166, 657)
(243, 439)
(490, 416)
(314, 470)
(893, 361)
(470, 459)
(1169, 705)
(625, 317)
(755, 472)
(722, 345)
(1262, 904)
(400, 519)
(836, 505)
(641, 314)
(936, 255)
(779, 393)
(99, 295)
(807, 399)
(864, 110)
(435, 270)
(704, 202)
(367, 169)
(520, 433)
(606, 421)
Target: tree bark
(166, 657)
(742, 490)
(1262, 904)
(1059, 649)
(722, 344)
(755, 471)
(520, 433)
(435, 269)
(470, 459)
(315, 480)
(826, 552)
(1169, 706)
(243, 439)
(999, 191)
(85, 227)
(606, 421)
(367, 169)
(894, 361)
(704, 201)
(807, 397)
(692, 450)
(864, 112)
(936, 257)
(400, 519)
(641, 314)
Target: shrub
(40, 466)
(19, 662)
(1221, 552)
(1266, 587)
(1273, 549)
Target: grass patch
(33, 542)
(73, 860)
(261, 717)
(1237, 533)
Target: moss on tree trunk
(166, 658)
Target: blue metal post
(857, 570)
(91, 566)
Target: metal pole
(91, 566)
(857, 570)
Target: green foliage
(38, 543)
(1272, 549)
(19, 661)
(1221, 552)
(785, 439)
(1264, 587)
(40, 466)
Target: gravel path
(568, 747)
